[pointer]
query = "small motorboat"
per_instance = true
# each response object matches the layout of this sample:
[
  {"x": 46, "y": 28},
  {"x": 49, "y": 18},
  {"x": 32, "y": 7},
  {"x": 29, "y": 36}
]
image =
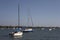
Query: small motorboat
[{"x": 50, "y": 29}]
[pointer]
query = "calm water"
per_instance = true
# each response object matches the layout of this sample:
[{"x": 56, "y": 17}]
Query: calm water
[{"x": 38, "y": 34}]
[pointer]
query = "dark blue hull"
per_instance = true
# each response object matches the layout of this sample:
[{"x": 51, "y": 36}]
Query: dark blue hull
[{"x": 27, "y": 31}]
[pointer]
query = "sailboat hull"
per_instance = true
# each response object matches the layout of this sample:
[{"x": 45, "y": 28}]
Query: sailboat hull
[
  {"x": 16, "y": 33},
  {"x": 28, "y": 30}
]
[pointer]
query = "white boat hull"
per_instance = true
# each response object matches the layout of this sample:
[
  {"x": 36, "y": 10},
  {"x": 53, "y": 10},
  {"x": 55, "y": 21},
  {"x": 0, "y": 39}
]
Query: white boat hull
[
  {"x": 16, "y": 34},
  {"x": 27, "y": 30}
]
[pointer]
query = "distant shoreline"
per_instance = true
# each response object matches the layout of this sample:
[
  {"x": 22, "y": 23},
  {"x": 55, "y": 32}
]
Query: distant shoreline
[{"x": 24, "y": 27}]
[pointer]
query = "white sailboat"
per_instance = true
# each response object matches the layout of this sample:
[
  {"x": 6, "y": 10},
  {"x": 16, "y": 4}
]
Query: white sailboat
[
  {"x": 29, "y": 18},
  {"x": 17, "y": 33},
  {"x": 28, "y": 30}
]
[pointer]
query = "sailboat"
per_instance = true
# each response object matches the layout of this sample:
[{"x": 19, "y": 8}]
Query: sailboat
[
  {"x": 17, "y": 33},
  {"x": 29, "y": 29}
]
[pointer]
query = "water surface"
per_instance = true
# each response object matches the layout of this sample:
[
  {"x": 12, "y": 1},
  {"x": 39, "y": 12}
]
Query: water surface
[{"x": 37, "y": 34}]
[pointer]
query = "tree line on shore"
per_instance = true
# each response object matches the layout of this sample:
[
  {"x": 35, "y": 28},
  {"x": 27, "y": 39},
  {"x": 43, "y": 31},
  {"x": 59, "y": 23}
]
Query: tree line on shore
[{"x": 25, "y": 27}]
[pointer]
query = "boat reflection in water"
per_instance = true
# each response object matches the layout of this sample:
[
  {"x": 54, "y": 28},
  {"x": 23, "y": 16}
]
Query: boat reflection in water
[{"x": 18, "y": 36}]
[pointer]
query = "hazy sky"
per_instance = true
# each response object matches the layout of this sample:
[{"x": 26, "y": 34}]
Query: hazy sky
[{"x": 43, "y": 12}]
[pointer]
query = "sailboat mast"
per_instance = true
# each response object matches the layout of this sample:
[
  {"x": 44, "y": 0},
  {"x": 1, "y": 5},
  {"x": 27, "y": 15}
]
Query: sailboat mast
[
  {"x": 18, "y": 14},
  {"x": 30, "y": 17}
]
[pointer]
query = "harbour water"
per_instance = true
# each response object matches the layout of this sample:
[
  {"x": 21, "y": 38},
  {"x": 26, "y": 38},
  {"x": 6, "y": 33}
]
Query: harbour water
[{"x": 37, "y": 34}]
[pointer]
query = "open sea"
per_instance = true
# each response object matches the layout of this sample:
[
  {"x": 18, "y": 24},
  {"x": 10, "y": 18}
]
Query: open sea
[{"x": 37, "y": 34}]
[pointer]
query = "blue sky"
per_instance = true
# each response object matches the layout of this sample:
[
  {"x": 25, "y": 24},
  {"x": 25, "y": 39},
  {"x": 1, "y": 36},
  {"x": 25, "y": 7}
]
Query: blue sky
[{"x": 43, "y": 12}]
